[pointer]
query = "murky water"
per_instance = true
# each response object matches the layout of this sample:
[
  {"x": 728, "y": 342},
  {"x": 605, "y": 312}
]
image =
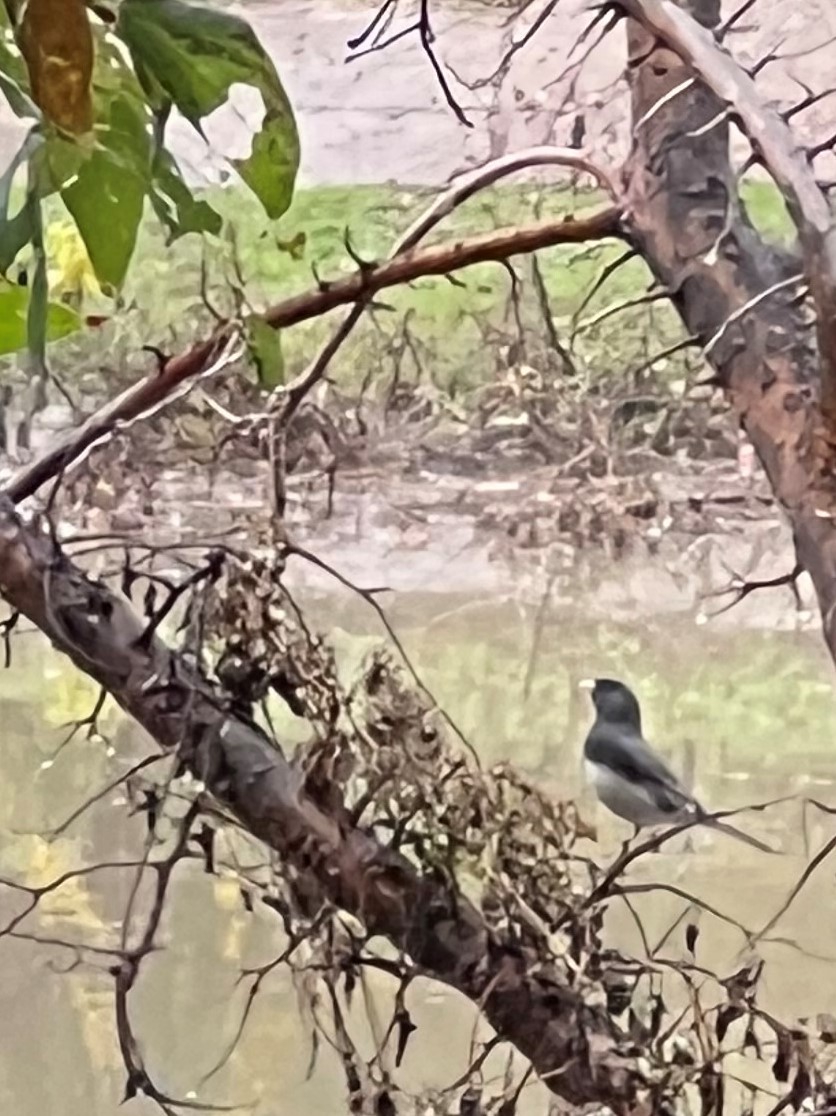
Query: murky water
[{"x": 752, "y": 711}]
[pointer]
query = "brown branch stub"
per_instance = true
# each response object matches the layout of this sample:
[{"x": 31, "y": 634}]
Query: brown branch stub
[{"x": 773, "y": 142}]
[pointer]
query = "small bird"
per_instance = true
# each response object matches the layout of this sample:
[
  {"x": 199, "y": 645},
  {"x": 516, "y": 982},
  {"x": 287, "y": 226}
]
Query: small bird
[{"x": 628, "y": 777}]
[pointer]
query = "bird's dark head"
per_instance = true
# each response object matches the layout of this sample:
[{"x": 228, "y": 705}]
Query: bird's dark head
[{"x": 615, "y": 702}]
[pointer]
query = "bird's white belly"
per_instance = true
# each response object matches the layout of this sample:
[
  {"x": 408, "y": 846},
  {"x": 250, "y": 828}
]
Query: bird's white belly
[{"x": 628, "y": 800}]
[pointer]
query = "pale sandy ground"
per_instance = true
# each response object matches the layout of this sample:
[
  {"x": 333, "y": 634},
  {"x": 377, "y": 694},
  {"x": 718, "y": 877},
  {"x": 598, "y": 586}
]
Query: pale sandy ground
[{"x": 383, "y": 117}]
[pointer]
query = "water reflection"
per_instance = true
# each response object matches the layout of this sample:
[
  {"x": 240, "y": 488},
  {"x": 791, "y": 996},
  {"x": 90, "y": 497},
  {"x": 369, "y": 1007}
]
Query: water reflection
[{"x": 754, "y": 711}]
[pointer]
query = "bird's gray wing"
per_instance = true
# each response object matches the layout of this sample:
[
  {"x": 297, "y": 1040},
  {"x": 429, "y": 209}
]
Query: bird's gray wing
[{"x": 629, "y": 755}]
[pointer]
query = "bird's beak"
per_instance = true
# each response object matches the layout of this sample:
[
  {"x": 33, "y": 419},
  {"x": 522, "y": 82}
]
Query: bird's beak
[{"x": 586, "y": 684}]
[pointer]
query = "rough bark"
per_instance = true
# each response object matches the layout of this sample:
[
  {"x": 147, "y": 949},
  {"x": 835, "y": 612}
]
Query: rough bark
[
  {"x": 687, "y": 220},
  {"x": 575, "y": 1045},
  {"x": 772, "y": 139}
]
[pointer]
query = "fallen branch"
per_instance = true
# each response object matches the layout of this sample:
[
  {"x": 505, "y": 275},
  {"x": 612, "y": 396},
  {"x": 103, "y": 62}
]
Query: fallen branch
[{"x": 574, "y": 1045}]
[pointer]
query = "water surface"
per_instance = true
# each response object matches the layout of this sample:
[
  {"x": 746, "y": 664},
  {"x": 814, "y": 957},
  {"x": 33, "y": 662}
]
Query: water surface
[{"x": 750, "y": 711}]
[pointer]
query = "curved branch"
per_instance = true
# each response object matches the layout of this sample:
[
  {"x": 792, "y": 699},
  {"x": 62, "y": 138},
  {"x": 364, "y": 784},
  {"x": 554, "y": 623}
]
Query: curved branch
[{"x": 405, "y": 267}]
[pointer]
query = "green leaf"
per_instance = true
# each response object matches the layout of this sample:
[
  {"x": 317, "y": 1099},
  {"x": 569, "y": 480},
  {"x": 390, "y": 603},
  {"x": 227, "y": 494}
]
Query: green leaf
[
  {"x": 192, "y": 53},
  {"x": 175, "y": 204},
  {"x": 192, "y": 56},
  {"x": 270, "y": 169},
  {"x": 265, "y": 345},
  {"x": 104, "y": 182},
  {"x": 14, "y": 311},
  {"x": 38, "y": 309},
  {"x": 17, "y": 231},
  {"x": 107, "y": 194},
  {"x": 14, "y": 80}
]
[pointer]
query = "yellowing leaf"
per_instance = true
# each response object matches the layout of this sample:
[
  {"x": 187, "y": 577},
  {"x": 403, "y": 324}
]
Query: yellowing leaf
[
  {"x": 69, "y": 269},
  {"x": 57, "y": 43}
]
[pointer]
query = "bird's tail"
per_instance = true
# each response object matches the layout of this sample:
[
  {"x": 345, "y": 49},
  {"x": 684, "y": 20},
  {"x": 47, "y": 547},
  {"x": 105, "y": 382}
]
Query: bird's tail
[{"x": 730, "y": 831}]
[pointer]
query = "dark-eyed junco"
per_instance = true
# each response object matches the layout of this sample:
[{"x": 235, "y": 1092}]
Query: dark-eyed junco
[{"x": 628, "y": 777}]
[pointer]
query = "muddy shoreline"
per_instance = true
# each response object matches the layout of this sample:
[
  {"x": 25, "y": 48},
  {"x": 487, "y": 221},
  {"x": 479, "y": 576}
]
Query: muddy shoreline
[{"x": 662, "y": 540}]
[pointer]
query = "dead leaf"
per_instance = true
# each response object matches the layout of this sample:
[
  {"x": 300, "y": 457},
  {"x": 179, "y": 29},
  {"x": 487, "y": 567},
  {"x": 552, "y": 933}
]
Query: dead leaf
[{"x": 56, "y": 41}]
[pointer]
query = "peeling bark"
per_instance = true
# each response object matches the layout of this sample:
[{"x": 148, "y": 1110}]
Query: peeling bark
[
  {"x": 688, "y": 222},
  {"x": 575, "y": 1045},
  {"x": 773, "y": 141}
]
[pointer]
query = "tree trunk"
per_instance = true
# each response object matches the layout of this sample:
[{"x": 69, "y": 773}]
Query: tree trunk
[{"x": 690, "y": 225}]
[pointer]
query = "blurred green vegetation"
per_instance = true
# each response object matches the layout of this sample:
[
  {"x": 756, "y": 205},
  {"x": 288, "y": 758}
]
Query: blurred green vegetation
[{"x": 448, "y": 334}]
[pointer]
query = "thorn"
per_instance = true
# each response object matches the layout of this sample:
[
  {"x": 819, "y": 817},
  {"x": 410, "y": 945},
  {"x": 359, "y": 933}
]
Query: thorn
[
  {"x": 820, "y": 148},
  {"x": 735, "y": 16},
  {"x": 364, "y": 265},
  {"x": 578, "y": 131},
  {"x": 762, "y": 63},
  {"x": 323, "y": 286},
  {"x": 162, "y": 358}
]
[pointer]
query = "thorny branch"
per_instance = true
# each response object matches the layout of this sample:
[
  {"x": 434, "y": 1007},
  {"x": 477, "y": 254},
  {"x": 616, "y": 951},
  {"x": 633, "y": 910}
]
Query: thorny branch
[
  {"x": 406, "y": 264},
  {"x": 126, "y": 972}
]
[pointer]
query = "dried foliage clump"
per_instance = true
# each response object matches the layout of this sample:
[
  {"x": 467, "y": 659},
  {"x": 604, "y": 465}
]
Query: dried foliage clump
[
  {"x": 384, "y": 760},
  {"x": 263, "y": 643}
]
